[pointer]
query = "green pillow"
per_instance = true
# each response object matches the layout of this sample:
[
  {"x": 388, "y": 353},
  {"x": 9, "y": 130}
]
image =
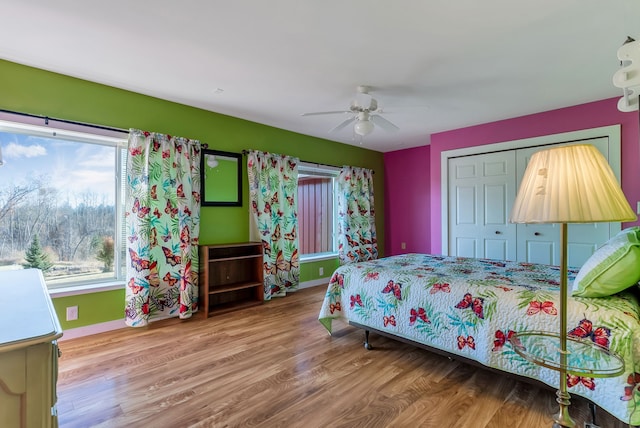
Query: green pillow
[{"x": 612, "y": 268}]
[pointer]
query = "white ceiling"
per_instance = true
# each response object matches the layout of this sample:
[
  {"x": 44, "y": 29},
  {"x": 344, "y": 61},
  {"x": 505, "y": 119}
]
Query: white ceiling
[{"x": 433, "y": 65}]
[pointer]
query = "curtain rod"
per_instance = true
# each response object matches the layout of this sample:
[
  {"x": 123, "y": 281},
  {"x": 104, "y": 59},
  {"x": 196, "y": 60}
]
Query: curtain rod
[
  {"x": 244, "y": 152},
  {"x": 46, "y": 120}
]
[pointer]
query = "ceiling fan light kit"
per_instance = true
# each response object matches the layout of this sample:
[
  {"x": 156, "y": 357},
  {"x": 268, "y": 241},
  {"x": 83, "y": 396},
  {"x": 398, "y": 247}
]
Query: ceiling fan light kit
[
  {"x": 363, "y": 127},
  {"x": 365, "y": 114}
]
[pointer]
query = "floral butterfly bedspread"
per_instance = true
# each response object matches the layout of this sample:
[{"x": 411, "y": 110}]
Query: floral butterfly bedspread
[{"x": 471, "y": 307}]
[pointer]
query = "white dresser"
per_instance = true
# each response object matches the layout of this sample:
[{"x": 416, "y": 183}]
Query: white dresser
[{"x": 29, "y": 328}]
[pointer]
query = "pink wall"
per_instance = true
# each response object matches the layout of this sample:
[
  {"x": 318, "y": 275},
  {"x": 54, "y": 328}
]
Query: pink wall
[
  {"x": 406, "y": 172},
  {"x": 584, "y": 116}
]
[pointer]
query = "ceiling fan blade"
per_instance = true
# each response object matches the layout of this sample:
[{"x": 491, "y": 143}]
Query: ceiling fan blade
[
  {"x": 383, "y": 123},
  {"x": 317, "y": 113},
  {"x": 343, "y": 124}
]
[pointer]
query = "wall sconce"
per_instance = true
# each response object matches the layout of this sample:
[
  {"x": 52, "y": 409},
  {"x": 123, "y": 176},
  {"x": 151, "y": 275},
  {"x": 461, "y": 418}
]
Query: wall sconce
[{"x": 628, "y": 77}]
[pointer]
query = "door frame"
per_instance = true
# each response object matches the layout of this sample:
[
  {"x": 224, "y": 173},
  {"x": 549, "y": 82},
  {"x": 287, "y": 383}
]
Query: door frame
[{"x": 612, "y": 132}]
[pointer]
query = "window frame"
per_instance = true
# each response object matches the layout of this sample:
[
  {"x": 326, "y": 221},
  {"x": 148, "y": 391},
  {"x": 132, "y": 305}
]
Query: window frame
[
  {"x": 31, "y": 125},
  {"x": 323, "y": 171}
]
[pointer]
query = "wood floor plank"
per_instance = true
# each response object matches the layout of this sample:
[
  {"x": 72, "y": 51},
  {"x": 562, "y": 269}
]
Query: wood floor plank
[{"x": 274, "y": 365}]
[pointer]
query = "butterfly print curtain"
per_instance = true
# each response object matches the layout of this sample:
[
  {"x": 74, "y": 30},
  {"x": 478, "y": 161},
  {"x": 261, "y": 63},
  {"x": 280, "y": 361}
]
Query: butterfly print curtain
[
  {"x": 273, "y": 193},
  {"x": 357, "y": 240},
  {"x": 163, "y": 223}
]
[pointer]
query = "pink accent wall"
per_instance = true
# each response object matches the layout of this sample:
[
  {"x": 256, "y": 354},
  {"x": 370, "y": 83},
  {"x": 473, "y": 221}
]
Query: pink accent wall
[
  {"x": 406, "y": 174},
  {"x": 584, "y": 116}
]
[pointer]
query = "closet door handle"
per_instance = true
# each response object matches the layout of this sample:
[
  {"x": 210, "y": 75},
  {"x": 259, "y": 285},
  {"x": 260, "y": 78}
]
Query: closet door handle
[
  {"x": 537, "y": 233},
  {"x": 498, "y": 232}
]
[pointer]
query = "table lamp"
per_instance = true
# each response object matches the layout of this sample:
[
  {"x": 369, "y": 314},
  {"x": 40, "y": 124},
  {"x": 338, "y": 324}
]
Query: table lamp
[{"x": 568, "y": 184}]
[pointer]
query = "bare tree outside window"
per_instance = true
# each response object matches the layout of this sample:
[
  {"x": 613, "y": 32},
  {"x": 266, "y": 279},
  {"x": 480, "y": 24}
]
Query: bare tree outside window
[{"x": 58, "y": 207}]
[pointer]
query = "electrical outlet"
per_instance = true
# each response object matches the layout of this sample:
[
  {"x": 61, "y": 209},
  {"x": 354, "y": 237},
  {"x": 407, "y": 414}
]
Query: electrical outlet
[
  {"x": 403, "y": 245},
  {"x": 321, "y": 271},
  {"x": 72, "y": 313},
  {"x": 638, "y": 208}
]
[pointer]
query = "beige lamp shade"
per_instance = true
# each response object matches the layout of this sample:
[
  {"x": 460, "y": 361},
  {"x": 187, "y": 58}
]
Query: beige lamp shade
[{"x": 570, "y": 184}]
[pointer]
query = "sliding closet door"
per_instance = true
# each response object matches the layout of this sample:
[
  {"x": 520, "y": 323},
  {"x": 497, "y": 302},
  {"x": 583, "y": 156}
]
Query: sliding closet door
[
  {"x": 471, "y": 208},
  {"x": 540, "y": 243},
  {"x": 482, "y": 189}
]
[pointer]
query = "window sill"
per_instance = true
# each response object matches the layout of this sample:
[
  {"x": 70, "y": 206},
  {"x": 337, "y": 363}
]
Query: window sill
[
  {"x": 118, "y": 285},
  {"x": 85, "y": 289},
  {"x": 318, "y": 257}
]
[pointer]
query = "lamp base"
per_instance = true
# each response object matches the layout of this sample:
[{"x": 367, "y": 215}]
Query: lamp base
[{"x": 563, "y": 419}]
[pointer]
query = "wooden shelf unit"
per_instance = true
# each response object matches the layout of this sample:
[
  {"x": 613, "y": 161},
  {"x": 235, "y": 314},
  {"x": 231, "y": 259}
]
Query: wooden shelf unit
[{"x": 231, "y": 277}]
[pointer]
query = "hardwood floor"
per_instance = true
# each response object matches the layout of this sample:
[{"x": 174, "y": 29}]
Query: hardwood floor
[{"x": 274, "y": 365}]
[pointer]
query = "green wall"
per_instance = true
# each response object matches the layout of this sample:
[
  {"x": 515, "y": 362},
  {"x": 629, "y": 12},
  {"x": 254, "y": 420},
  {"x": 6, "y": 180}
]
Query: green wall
[
  {"x": 93, "y": 308},
  {"x": 309, "y": 271},
  {"x": 30, "y": 90}
]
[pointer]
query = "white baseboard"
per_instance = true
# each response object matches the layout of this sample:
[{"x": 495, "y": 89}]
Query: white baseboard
[
  {"x": 313, "y": 283},
  {"x": 73, "y": 333},
  {"x": 117, "y": 324}
]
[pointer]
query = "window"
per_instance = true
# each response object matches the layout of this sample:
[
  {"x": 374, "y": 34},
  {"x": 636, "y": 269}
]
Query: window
[
  {"x": 61, "y": 210},
  {"x": 316, "y": 210}
]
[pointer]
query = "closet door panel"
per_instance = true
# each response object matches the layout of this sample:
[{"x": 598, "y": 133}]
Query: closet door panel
[
  {"x": 466, "y": 247},
  {"x": 482, "y": 190},
  {"x": 544, "y": 248},
  {"x": 584, "y": 240},
  {"x": 496, "y": 249}
]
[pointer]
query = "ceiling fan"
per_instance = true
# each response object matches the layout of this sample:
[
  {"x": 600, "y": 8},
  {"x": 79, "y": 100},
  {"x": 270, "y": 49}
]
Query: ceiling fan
[{"x": 364, "y": 112}]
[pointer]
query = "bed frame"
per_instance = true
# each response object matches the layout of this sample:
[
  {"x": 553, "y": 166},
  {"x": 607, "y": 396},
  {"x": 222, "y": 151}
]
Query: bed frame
[
  {"x": 465, "y": 309},
  {"x": 450, "y": 356}
]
